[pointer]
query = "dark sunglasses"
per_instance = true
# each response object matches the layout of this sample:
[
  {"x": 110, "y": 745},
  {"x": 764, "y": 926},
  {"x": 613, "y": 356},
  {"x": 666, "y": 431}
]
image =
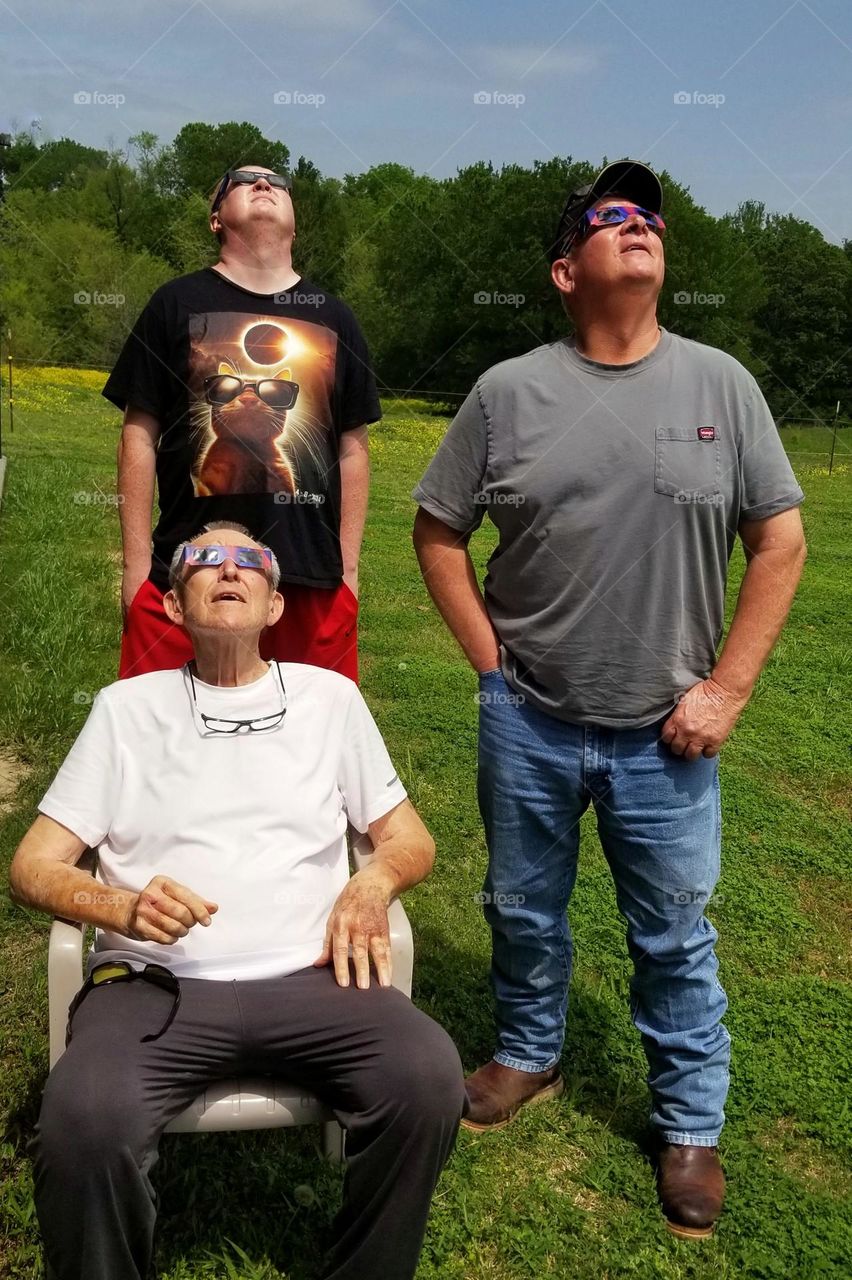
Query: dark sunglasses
[
  {"x": 104, "y": 975},
  {"x": 247, "y": 177},
  {"x": 222, "y": 388}
]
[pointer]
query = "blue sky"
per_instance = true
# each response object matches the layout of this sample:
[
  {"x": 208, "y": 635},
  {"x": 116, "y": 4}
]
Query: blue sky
[{"x": 359, "y": 82}]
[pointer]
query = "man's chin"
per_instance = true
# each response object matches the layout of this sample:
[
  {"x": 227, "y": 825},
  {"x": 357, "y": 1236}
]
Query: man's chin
[{"x": 225, "y": 626}]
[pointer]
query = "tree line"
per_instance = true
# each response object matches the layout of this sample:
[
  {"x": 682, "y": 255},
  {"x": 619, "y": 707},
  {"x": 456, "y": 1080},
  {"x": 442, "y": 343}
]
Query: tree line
[{"x": 447, "y": 276}]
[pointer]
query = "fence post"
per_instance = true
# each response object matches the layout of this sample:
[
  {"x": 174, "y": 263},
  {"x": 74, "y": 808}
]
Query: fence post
[{"x": 834, "y": 438}]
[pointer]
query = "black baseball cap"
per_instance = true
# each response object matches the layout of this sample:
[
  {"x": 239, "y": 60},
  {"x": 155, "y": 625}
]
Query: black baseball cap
[{"x": 629, "y": 178}]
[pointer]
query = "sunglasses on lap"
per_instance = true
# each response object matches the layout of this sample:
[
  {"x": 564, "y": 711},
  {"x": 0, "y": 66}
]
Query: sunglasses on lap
[{"x": 112, "y": 971}]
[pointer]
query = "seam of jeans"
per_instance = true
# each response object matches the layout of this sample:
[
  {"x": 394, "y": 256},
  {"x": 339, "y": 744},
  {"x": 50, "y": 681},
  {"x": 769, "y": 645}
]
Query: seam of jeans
[{"x": 235, "y": 990}]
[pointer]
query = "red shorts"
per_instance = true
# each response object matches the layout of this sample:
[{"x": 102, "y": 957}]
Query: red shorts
[{"x": 318, "y": 626}]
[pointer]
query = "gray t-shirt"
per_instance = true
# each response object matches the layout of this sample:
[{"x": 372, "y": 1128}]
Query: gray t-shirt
[{"x": 617, "y": 491}]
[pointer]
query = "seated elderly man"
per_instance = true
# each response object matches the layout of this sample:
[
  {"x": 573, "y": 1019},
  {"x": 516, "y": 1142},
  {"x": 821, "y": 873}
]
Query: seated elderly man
[{"x": 218, "y": 797}]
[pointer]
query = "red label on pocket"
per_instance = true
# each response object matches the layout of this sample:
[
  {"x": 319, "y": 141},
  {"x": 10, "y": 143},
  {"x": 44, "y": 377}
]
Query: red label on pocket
[{"x": 706, "y": 433}]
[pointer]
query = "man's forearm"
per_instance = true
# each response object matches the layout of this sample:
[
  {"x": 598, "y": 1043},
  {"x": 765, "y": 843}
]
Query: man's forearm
[
  {"x": 137, "y": 463},
  {"x": 398, "y": 864},
  {"x": 60, "y": 889},
  {"x": 451, "y": 582},
  {"x": 766, "y": 594},
  {"x": 354, "y": 494}
]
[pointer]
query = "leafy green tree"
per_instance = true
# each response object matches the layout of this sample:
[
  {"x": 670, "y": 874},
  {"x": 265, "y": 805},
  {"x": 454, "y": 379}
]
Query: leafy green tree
[
  {"x": 802, "y": 326},
  {"x": 201, "y": 153}
]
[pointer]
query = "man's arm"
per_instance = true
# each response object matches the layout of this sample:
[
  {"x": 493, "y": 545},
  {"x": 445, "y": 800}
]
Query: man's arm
[
  {"x": 137, "y": 464},
  {"x": 43, "y": 875},
  {"x": 354, "y": 492},
  {"x": 404, "y": 855},
  {"x": 451, "y": 582},
  {"x": 775, "y": 553}
]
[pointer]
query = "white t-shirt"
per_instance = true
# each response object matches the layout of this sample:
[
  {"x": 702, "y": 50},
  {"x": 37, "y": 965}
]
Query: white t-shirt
[{"x": 255, "y": 822}]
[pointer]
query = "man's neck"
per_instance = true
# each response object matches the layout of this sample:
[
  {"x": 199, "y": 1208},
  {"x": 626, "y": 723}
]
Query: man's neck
[
  {"x": 228, "y": 661},
  {"x": 619, "y": 336},
  {"x": 260, "y": 267}
]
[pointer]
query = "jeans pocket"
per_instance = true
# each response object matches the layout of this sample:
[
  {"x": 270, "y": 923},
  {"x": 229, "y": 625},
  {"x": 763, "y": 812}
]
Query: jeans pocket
[{"x": 687, "y": 467}]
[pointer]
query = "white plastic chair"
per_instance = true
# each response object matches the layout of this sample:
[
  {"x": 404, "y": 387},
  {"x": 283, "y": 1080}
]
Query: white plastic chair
[{"x": 256, "y": 1102}]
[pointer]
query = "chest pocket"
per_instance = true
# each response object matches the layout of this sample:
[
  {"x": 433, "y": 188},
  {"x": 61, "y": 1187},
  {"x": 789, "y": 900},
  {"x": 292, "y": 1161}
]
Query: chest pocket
[{"x": 686, "y": 468}]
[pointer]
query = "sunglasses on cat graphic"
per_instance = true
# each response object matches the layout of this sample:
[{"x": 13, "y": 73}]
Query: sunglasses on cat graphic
[
  {"x": 247, "y": 177},
  {"x": 277, "y": 393}
]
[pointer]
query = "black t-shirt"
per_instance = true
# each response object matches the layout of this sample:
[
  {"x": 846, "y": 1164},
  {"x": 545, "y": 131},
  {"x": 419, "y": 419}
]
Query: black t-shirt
[{"x": 252, "y": 392}]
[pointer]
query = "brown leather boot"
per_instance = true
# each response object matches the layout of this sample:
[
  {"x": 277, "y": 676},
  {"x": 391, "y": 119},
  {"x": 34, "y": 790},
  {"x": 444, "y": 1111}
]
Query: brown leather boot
[
  {"x": 496, "y": 1094},
  {"x": 691, "y": 1187}
]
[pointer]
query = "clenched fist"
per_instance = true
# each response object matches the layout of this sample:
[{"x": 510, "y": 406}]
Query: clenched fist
[{"x": 165, "y": 911}]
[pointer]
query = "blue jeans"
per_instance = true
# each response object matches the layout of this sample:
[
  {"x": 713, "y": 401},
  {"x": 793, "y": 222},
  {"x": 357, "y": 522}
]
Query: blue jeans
[{"x": 659, "y": 823}]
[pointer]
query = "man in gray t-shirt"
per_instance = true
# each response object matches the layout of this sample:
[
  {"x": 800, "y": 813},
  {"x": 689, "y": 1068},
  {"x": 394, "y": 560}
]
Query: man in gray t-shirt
[{"x": 618, "y": 468}]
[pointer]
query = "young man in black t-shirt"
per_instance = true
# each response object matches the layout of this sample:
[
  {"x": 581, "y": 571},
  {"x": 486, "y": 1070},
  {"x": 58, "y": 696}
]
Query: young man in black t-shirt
[{"x": 247, "y": 391}]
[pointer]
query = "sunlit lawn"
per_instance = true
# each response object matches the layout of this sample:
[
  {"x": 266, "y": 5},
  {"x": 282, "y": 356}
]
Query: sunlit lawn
[{"x": 565, "y": 1191}]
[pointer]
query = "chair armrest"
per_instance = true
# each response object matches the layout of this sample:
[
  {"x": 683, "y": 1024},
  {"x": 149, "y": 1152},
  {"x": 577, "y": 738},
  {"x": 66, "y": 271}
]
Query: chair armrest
[
  {"x": 401, "y": 939},
  {"x": 64, "y": 979}
]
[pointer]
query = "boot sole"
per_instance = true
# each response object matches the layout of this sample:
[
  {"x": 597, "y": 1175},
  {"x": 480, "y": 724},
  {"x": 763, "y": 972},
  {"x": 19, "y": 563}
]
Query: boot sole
[
  {"x": 552, "y": 1090},
  {"x": 689, "y": 1233}
]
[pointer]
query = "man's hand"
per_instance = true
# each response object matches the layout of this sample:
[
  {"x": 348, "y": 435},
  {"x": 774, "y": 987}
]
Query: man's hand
[
  {"x": 702, "y": 720},
  {"x": 165, "y": 911},
  {"x": 359, "y": 918},
  {"x": 131, "y": 581}
]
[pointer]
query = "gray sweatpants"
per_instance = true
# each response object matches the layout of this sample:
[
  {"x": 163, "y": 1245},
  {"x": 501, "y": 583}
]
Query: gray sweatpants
[{"x": 391, "y": 1075}]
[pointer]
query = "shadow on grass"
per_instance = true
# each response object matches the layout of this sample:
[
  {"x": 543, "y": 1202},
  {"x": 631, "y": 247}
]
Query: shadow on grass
[{"x": 602, "y": 1079}]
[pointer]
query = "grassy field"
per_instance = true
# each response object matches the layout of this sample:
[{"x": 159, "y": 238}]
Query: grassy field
[{"x": 566, "y": 1191}]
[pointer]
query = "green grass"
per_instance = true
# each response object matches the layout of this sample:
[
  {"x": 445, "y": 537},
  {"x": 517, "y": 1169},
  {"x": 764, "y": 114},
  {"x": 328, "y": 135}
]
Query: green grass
[{"x": 566, "y": 1191}]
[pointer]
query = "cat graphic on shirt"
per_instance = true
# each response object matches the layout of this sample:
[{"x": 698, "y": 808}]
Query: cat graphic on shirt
[{"x": 248, "y": 453}]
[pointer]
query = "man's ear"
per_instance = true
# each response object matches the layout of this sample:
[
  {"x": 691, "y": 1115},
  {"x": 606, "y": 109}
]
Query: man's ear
[
  {"x": 172, "y": 607},
  {"x": 215, "y": 224},
  {"x": 276, "y": 608},
  {"x": 562, "y": 275}
]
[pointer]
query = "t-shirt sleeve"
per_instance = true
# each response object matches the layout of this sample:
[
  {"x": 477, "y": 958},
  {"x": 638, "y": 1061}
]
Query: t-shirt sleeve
[
  {"x": 451, "y": 488},
  {"x": 360, "y": 398},
  {"x": 142, "y": 375},
  {"x": 769, "y": 485},
  {"x": 84, "y": 794},
  {"x": 367, "y": 780}
]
